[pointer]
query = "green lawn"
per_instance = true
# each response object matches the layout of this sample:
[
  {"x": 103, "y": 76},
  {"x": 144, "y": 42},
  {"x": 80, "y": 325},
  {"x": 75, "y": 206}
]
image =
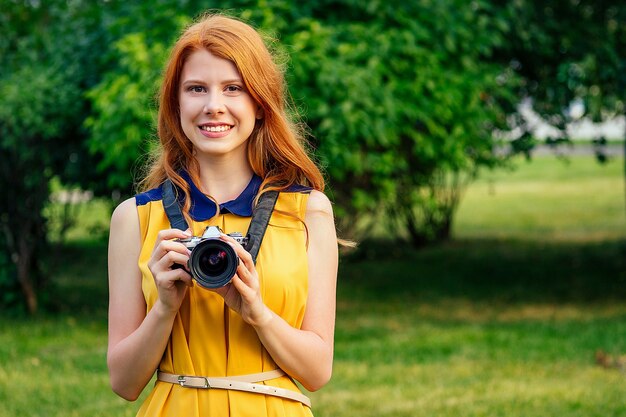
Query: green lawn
[
  {"x": 503, "y": 321},
  {"x": 547, "y": 199}
]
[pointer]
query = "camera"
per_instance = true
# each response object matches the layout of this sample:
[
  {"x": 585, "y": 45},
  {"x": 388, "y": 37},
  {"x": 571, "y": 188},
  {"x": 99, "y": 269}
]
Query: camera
[{"x": 212, "y": 262}]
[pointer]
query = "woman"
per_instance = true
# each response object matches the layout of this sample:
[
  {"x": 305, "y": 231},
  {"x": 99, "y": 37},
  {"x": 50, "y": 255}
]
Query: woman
[{"x": 225, "y": 138}]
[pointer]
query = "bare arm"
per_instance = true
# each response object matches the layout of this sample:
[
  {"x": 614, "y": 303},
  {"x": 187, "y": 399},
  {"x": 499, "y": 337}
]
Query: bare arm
[
  {"x": 136, "y": 340},
  {"x": 307, "y": 353}
]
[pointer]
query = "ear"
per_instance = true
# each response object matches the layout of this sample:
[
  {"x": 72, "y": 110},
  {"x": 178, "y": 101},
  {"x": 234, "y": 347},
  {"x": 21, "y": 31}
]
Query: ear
[{"x": 260, "y": 113}]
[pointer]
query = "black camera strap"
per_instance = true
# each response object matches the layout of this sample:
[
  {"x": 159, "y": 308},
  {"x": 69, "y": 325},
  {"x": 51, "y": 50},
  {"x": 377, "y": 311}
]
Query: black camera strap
[
  {"x": 260, "y": 219},
  {"x": 172, "y": 207},
  {"x": 260, "y": 216}
]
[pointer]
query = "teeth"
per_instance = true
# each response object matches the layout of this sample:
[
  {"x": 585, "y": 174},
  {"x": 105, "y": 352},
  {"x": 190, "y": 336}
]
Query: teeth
[{"x": 220, "y": 128}]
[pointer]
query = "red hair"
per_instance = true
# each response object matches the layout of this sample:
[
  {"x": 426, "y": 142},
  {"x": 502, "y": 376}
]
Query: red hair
[{"x": 276, "y": 147}]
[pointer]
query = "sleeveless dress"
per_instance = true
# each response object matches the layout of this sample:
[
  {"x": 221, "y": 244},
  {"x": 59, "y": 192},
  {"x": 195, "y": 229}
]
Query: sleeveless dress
[{"x": 208, "y": 339}]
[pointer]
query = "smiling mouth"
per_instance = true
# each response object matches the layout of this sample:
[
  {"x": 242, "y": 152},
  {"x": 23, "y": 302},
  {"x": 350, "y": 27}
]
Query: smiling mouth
[{"x": 220, "y": 128}]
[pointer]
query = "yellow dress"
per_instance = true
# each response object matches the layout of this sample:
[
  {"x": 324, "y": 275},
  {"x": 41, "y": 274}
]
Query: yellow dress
[{"x": 208, "y": 339}]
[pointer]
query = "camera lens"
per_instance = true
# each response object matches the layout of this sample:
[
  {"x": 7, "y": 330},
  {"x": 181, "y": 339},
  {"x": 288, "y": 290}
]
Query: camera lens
[{"x": 213, "y": 263}]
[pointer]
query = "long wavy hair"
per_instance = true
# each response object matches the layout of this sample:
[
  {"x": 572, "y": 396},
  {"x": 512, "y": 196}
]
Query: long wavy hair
[{"x": 276, "y": 148}]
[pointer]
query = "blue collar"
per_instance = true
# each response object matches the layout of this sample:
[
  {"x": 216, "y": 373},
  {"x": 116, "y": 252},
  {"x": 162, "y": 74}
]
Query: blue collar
[{"x": 203, "y": 208}]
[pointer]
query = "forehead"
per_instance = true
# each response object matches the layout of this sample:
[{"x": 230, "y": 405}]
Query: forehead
[{"x": 203, "y": 65}]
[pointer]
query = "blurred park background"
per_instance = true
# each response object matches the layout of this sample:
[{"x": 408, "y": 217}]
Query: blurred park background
[{"x": 474, "y": 149}]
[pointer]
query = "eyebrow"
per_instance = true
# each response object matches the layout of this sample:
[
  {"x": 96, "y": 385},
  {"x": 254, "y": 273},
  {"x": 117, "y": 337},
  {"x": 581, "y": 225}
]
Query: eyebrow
[
  {"x": 234, "y": 80},
  {"x": 196, "y": 81}
]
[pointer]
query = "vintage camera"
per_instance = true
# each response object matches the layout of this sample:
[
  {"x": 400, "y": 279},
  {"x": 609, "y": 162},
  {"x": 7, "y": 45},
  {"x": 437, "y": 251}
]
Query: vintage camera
[{"x": 212, "y": 262}]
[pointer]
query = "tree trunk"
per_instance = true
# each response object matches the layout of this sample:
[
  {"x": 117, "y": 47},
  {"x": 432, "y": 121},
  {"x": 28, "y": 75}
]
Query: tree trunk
[
  {"x": 24, "y": 262},
  {"x": 416, "y": 232}
]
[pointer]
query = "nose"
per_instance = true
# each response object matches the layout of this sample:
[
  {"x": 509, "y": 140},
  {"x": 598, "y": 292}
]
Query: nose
[{"x": 213, "y": 104}]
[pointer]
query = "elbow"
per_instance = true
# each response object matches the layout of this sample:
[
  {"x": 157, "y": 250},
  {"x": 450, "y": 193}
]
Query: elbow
[
  {"x": 123, "y": 384},
  {"x": 125, "y": 392},
  {"x": 319, "y": 380},
  {"x": 321, "y": 373}
]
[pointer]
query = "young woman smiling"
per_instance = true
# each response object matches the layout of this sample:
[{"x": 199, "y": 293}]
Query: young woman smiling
[{"x": 225, "y": 139}]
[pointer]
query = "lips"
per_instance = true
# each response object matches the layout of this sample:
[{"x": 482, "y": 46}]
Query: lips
[{"x": 215, "y": 128}]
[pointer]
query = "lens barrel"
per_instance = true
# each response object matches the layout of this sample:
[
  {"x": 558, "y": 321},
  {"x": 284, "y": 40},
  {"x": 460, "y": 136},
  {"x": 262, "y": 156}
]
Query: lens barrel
[{"x": 213, "y": 263}]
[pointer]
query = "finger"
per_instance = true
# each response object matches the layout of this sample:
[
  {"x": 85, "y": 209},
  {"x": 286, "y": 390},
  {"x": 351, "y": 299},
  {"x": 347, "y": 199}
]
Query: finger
[
  {"x": 167, "y": 261},
  {"x": 188, "y": 280},
  {"x": 168, "y": 249},
  {"x": 169, "y": 278},
  {"x": 174, "y": 246},
  {"x": 244, "y": 290},
  {"x": 246, "y": 258},
  {"x": 166, "y": 236},
  {"x": 172, "y": 258},
  {"x": 184, "y": 277},
  {"x": 249, "y": 278},
  {"x": 243, "y": 254},
  {"x": 229, "y": 238},
  {"x": 169, "y": 234}
]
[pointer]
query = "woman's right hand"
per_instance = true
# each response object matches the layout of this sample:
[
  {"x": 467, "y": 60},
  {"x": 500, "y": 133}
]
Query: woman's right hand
[{"x": 171, "y": 283}]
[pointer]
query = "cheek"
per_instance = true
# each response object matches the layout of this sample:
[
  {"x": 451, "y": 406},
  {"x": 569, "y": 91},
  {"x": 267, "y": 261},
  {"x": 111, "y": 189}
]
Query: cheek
[
  {"x": 249, "y": 111},
  {"x": 186, "y": 110},
  {"x": 190, "y": 106},
  {"x": 186, "y": 118}
]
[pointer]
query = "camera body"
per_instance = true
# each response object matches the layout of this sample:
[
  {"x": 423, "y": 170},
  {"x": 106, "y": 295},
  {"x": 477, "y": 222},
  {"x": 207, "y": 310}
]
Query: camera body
[{"x": 212, "y": 262}]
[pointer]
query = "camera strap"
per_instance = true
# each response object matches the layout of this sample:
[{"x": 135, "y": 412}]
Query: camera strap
[
  {"x": 172, "y": 206},
  {"x": 260, "y": 216},
  {"x": 260, "y": 219}
]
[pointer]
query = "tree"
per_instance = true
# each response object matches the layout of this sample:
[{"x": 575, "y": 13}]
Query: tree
[
  {"x": 568, "y": 51},
  {"x": 402, "y": 100},
  {"x": 399, "y": 97},
  {"x": 46, "y": 65},
  {"x": 124, "y": 111},
  {"x": 122, "y": 121}
]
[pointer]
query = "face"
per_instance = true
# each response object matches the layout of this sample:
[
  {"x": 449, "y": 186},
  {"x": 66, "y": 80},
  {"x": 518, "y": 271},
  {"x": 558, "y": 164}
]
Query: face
[{"x": 217, "y": 113}]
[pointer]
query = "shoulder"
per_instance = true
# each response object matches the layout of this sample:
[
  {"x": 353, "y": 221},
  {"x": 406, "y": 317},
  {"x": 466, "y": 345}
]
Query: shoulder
[
  {"x": 125, "y": 214},
  {"x": 320, "y": 225},
  {"x": 318, "y": 203},
  {"x": 124, "y": 230}
]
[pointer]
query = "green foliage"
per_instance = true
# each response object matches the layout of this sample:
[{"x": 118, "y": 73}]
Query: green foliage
[
  {"x": 124, "y": 116},
  {"x": 36, "y": 112},
  {"x": 568, "y": 50},
  {"x": 41, "y": 83},
  {"x": 402, "y": 103},
  {"x": 401, "y": 97},
  {"x": 397, "y": 96}
]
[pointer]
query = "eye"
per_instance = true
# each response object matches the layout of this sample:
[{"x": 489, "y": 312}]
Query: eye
[
  {"x": 196, "y": 89},
  {"x": 233, "y": 88}
]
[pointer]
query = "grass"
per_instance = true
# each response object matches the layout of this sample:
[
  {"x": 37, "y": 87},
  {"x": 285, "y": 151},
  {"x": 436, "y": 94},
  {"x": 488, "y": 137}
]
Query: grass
[
  {"x": 474, "y": 331},
  {"x": 56, "y": 367},
  {"x": 511, "y": 368},
  {"x": 503, "y": 321},
  {"x": 547, "y": 199}
]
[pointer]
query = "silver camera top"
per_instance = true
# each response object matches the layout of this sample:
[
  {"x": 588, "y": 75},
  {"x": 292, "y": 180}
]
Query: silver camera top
[
  {"x": 214, "y": 232},
  {"x": 211, "y": 232}
]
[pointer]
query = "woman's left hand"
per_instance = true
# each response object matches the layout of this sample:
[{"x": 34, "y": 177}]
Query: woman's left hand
[{"x": 243, "y": 293}]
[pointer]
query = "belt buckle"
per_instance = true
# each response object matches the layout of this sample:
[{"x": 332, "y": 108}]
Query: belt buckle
[{"x": 183, "y": 382}]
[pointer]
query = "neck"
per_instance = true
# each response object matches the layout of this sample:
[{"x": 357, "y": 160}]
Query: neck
[{"x": 224, "y": 179}]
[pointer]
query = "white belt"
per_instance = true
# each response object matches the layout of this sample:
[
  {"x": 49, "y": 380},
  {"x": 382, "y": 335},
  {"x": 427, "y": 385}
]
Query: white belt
[{"x": 238, "y": 383}]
